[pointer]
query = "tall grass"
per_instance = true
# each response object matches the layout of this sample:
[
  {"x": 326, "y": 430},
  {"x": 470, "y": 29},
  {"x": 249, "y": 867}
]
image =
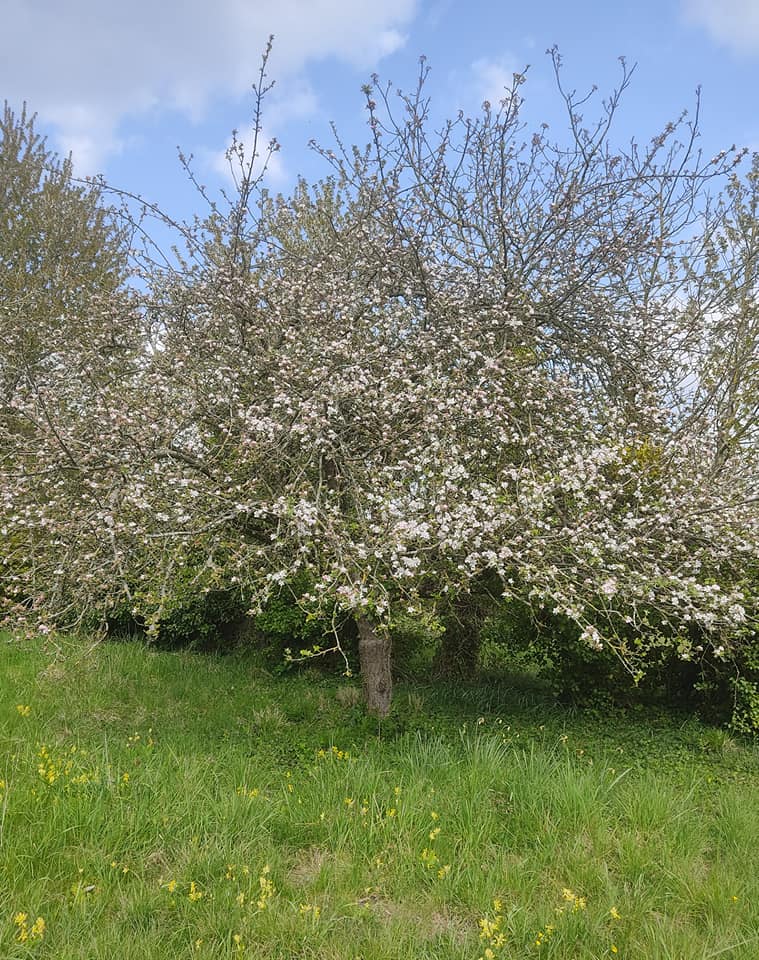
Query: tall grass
[{"x": 169, "y": 805}]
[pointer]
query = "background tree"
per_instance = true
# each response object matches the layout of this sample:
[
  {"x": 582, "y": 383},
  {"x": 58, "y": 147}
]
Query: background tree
[
  {"x": 63, "y": 265},
  {"x": 59, "y": 244}
]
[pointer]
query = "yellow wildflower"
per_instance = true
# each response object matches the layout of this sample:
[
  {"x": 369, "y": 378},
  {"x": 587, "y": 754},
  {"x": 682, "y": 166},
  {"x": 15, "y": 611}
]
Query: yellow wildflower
[
  {"x": 266, "y": 888},
  {"x": 488, "y": 928}
]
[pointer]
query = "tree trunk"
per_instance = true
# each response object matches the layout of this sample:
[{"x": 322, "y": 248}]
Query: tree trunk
[{"x": 374, "y": 653}]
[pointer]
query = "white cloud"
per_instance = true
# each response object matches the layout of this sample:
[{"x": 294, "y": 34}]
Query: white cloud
[
  {"x": 493, "y": 79},
  {"x": 734, "y": 23},
  {"x": 86, "y": 65}
]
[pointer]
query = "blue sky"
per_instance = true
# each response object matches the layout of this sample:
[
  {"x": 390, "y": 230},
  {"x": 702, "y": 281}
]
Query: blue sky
[{"x": 121, "y": 85}]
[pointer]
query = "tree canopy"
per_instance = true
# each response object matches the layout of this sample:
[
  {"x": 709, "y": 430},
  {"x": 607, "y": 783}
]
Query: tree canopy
[{"x": 467, "y": 352}]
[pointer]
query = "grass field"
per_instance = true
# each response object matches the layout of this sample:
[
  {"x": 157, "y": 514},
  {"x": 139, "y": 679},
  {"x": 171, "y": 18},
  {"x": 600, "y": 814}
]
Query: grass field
[{"x": 172, "y": 805}]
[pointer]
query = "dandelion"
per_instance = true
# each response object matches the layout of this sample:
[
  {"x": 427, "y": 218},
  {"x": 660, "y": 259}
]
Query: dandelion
[
  {"x": 194, "y": 893},
  {"x": 614, "y": 914},
  {"x": 24, "y": 709}
]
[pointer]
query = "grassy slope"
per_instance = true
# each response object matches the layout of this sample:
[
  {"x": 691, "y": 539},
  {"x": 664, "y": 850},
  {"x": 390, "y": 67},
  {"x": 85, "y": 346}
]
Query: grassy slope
[{"x": 180, "y": 808}]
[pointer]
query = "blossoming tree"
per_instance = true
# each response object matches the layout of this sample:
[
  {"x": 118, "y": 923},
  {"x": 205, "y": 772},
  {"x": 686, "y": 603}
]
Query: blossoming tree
[{"x": 466, "y": 353}]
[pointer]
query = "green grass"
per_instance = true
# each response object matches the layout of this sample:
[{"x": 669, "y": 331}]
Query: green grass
[{"x": 172, "y": 805}]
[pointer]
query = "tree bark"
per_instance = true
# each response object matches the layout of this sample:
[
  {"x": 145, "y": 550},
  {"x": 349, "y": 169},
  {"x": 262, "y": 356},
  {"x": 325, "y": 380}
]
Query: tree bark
[{"x": 375, "y": 659}]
